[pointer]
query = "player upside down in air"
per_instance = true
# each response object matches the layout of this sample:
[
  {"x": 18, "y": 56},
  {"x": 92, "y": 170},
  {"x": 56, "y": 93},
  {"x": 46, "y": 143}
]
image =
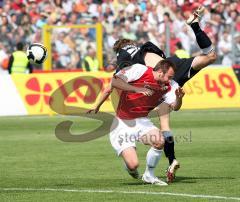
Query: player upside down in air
[{"x": 129, "y": 53}]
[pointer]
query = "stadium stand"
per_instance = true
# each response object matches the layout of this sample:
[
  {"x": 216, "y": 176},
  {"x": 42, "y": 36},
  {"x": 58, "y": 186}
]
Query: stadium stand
[{"x": 138, "y": 20}]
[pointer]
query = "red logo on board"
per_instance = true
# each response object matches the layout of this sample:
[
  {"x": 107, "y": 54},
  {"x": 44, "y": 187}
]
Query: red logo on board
[{"x": 38, "y": 92}]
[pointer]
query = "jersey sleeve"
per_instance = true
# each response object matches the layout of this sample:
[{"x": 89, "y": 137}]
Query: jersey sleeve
[
  {"x": 170, "y": 97},
  {"x": 132, "y": 73}
]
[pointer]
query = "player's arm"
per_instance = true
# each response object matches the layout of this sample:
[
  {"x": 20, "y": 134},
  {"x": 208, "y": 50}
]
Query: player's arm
[
  {"x": 122, "y": 78},
  {"x": 174, "y": 97},
  {"x": 121, "y": 84},
  {"x": 179, "y": 96},
  {"x": 107, "y": 91}
]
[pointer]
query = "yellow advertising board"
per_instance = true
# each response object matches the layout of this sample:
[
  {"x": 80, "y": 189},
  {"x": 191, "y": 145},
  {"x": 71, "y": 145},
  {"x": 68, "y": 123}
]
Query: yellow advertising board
[
  {"x": 215, "y": 87},
  {"x": 210, "y": 88},
  {"x": 84, "y": 89}
]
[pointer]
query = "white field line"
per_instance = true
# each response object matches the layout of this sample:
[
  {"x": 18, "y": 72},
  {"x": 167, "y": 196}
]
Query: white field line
[{"x": 119, "y": 192}]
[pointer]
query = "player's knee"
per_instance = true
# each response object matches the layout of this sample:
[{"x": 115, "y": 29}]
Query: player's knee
[
  {"x": 212, "y": 56},
  {"x": 133, "y": 164},
  {"x": 159, "y": 142}
]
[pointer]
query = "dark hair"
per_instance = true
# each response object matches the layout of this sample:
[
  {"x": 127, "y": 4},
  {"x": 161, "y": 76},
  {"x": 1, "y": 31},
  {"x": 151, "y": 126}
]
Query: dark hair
[
  {"x": 179, "y": 45},
  {"x": 19, "y": 46},
  {"x": 167, "y": 14},
  {"x": 121, "y": 43},
  {"x": 164, "y": 65}
]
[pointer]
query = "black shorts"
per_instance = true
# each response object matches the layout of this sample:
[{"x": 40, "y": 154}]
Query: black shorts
[{"x": 184, "y": 69}]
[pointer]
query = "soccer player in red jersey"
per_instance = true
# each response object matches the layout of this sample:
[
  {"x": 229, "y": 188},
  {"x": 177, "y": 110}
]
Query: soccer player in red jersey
[
  {"x": 132, "y": 124},
  {"x": 149, "y": 54}
]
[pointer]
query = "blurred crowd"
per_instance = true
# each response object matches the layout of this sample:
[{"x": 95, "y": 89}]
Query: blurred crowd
[{"x": 157, "y": 21}]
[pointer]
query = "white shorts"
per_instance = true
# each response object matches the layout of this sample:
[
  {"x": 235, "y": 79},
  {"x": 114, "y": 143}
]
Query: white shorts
[{"x": 125, "y": 133}]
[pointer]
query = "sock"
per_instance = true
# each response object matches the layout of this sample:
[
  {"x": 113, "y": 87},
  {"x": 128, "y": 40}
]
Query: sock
[
  {"x": 153, "y": 157},
  {"x": 169, "y": 146},
  {"x": 202, "y": 39}
]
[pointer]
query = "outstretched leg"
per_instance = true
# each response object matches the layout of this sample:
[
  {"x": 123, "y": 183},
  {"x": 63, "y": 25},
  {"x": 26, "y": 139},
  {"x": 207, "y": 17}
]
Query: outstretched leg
[{"x": 209, "y": 56}]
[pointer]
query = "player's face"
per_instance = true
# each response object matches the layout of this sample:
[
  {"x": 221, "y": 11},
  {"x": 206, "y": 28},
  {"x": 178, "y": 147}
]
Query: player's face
[{"x": 165, "y": 78}]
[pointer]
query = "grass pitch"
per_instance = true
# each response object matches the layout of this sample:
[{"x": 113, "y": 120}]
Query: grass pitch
[{"x": 36, "y": 166}]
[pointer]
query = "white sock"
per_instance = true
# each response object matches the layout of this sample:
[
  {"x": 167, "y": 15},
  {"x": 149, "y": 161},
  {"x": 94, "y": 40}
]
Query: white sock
[
  {"x": 153, "y": 157},
  {"x": 207, "y": 50}
]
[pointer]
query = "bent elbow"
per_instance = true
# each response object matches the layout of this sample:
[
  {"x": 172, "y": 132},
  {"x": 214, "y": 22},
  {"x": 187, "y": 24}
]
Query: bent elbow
[{"x": 176, "y": 109}]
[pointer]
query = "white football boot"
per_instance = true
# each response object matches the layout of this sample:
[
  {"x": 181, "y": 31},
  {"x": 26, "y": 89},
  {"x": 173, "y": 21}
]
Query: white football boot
[
  {"x": 153, "y": 180},
  {"x": 170, "y": 173},
  {"x": 196, "y": 16}
]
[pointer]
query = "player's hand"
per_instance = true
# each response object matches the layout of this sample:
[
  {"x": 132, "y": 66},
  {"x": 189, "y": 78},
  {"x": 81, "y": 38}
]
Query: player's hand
[
  {"x": 144, "y": 91},
  {"x": 95, "y": 111},
  {"x": 179, "y": 92}
]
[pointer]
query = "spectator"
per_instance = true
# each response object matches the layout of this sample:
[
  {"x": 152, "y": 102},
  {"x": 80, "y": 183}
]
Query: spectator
[
  {"x": 18, "y": 61},
  {"x": 237, "y": 24},
  {"x": 63, "y": 50},
  {"x": 67, "y": 6},
  {"x": 153, "y": 17},
  {"x": 173, "y": 42},
  {"x": 180, "y": 52},
  {"x": 142, "y": 32},
  {"x": 132, "y": 19},
  {"x": 3, "y": 57},
  {"x": 185, "y": 38},
  {"x": 73, "y": 20},
  {"x": 179, "y": 23},
  {"x": 166, "y": 23},
  {"x": 112, "y": 38},
  {"x": 225, "y": 47},
  {"x": 17, "y": 5},
  {"x": 131, "y": 6},
  {"x": 92, "y": 8},
  {"x": 14, "y": 21},
  {"x": 90, "y": 61},
  {"x": 5, "y": 22},
  {"x": 5, "y": 37},
  {"x": 33, "y": 11},
  {"x": 91, "y": 31},
  {"x": 80, "y": 7},
  {"x": 128, "y": 33},
  {"x": 236, "y": 48},
  {"x": 42, "y": 20}
]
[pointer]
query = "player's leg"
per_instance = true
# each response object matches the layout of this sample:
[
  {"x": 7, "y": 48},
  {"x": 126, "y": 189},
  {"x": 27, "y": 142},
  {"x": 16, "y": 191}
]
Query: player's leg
[
  {"x": 123, "y": 140},
  {"x": 130, "y": 158},
  {"x": 154, "y": 138},
  {"x": 204, "y": 42},
  {"x": 187, "y": 68},
  {"x": 164, "y": 116}
]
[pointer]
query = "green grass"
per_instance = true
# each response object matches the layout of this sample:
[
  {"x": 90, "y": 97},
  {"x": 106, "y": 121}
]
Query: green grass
[{"x": 32, "y": 157}]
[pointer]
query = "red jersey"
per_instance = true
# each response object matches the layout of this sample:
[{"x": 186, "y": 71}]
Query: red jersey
[{"x": 134, "y": 105}]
